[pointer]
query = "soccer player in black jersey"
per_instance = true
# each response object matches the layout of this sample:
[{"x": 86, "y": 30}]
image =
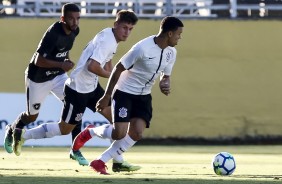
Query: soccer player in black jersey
[{"x": 47, "y": 69}]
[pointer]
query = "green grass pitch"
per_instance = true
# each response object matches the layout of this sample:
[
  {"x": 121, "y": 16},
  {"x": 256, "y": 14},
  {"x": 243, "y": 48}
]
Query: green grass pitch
[{"x": 160, "y": 165}]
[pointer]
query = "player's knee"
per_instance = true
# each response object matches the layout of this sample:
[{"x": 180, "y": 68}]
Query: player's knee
[
  {"x": 119, "y": 131},
  {"x": 66, "y": 128},
  {"x": 28, "y": 118},
  {"x": 65, "y": 132},
  {"x": 136, "y": 136},
  {"x": 32, "y": 118},
  {"x": 118, "y": 135}
]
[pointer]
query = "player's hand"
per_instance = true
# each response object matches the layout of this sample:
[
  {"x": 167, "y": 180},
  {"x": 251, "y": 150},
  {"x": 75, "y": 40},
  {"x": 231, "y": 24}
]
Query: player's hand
[
  {"x": 165, "y": 86},
  {"x": 103, "y": 103},
  {"x": 67, "y": 65}
]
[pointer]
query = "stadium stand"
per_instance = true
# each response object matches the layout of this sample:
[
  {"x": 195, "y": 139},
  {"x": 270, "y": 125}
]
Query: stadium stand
[
  {"x": 148, "y": 8},
  {"x": 108, "y": 8}
]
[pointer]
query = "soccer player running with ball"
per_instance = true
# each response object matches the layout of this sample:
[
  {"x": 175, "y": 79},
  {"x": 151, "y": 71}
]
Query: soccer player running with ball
[
  {"x": 82, "y": 89},
  {"x": 130, "y": 86},
  {"x": 47, "y": 69}
]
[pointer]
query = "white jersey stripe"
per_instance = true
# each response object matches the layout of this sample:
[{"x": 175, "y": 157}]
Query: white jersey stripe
[{"x": 69, "y": 113}]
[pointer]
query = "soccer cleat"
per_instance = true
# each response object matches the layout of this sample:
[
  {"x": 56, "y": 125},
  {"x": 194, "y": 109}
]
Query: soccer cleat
[
  {"x": 82, "y": 138},
  {"x": 99, "y": 166},
  {"x": 76, "y": 155},
  {"x": 18, "y": 140},
  {"x": 8, "y": 140},
  {"x": 125, "y": 166}
]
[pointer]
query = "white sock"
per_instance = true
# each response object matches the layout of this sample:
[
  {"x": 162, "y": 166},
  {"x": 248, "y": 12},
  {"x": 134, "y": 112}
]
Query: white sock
[
  {"x": 103, "y": 131},
  {"x": 118, "y": 147},
  {"x": 46, "y": 130},
  {"x": 117, "y": 158}
]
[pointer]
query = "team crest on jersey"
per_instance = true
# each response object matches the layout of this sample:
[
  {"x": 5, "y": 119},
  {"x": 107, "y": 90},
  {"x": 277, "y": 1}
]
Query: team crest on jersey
[
  {"x": 122, "y": 112},
  {"x": 78, "y": 117},
  {"x": 168, "y": 56},
  {"x": 36, "y": 106}
]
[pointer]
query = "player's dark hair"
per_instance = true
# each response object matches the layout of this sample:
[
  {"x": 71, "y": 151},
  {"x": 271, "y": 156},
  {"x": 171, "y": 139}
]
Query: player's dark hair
[
  {"x": 170, "y": 23},
  {"x": 69, "y": 7},
  {"x": 126, "y": 16}
]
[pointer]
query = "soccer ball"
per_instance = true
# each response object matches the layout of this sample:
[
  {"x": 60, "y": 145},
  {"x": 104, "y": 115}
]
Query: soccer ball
[{"x": 223, "y": 164}]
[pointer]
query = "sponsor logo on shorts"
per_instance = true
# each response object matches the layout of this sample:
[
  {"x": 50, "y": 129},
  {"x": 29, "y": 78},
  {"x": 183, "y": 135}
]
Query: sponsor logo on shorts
[
  {"x": 122, "y": 112},
  {"x": 78, "y": 117},
  {"x": 36, "y": 106}
]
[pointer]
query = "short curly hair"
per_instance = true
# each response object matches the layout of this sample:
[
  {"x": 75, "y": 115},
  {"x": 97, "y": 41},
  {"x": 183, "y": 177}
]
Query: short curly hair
[
  {"x": 127, "y": 16},
  {"x": 69, "y": 7},
  {"x": 170, "y": 23}
]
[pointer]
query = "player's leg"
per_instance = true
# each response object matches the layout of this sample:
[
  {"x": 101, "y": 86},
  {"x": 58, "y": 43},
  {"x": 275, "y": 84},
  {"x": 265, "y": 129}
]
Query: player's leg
[
  {"x": 74, "y": 108},
  {"x": 85, "y": 135},
  {"x": 71, "y": 116},
  {"x": 46, "y": 130},
  {"x": 23, "y": 119},
  {"x": 75, "y": 131},
  {"x": 142, "y": 110},
  {"x": 35, "y": 95},
  {"x": 82, "y": 137},
  {"x": 58, "y": 91},
  {"x": 118, "y": 147},
  {"x": 99, "y": 165},
  {"x": 103, "y": 131},
  {"x": 135, "y": 131},
  {"x": 121, "y": 107}
]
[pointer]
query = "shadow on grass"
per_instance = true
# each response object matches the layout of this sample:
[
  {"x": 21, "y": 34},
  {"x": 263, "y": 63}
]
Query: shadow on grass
[{"x": 110, "y": 179}]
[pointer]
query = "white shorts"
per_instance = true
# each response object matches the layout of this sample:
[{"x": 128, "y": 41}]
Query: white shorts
[{"x": 37, "y": 92}]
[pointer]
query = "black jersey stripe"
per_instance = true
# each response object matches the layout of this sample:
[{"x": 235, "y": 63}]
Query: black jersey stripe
[{"x": 160, "y": 62}]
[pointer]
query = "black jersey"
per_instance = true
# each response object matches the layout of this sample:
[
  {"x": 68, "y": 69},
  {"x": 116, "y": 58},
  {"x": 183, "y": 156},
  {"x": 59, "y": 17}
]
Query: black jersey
[{"x": 54, "y": 45}]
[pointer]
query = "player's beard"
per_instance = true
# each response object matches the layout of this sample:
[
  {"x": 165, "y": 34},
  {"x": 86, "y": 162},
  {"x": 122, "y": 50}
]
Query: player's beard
[{"x": 72, "y": 28}]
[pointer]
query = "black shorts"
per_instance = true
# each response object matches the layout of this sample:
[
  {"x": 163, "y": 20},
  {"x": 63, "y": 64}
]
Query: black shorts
[
  {"x": 126, "y": 106},
  {"x": 76, "y": 103}
]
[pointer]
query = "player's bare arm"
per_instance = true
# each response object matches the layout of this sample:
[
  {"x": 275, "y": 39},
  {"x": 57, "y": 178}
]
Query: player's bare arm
[
  {"x": 109, "y": 66},
  {"x": 104, "y": 101},
  {"x": 95, "y": 67},
  {"x": 47, "y": 63},
  {"x": 165, "y": 84}
]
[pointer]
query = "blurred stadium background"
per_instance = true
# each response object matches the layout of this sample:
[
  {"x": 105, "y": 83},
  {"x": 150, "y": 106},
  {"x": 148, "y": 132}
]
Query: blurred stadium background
[
  {"x": 149, "y": 8},
  {"x": 227, "y": 81}
]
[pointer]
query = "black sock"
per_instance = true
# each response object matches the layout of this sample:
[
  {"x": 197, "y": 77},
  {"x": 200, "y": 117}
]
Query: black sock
[{"x": 76, "y": 131}]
